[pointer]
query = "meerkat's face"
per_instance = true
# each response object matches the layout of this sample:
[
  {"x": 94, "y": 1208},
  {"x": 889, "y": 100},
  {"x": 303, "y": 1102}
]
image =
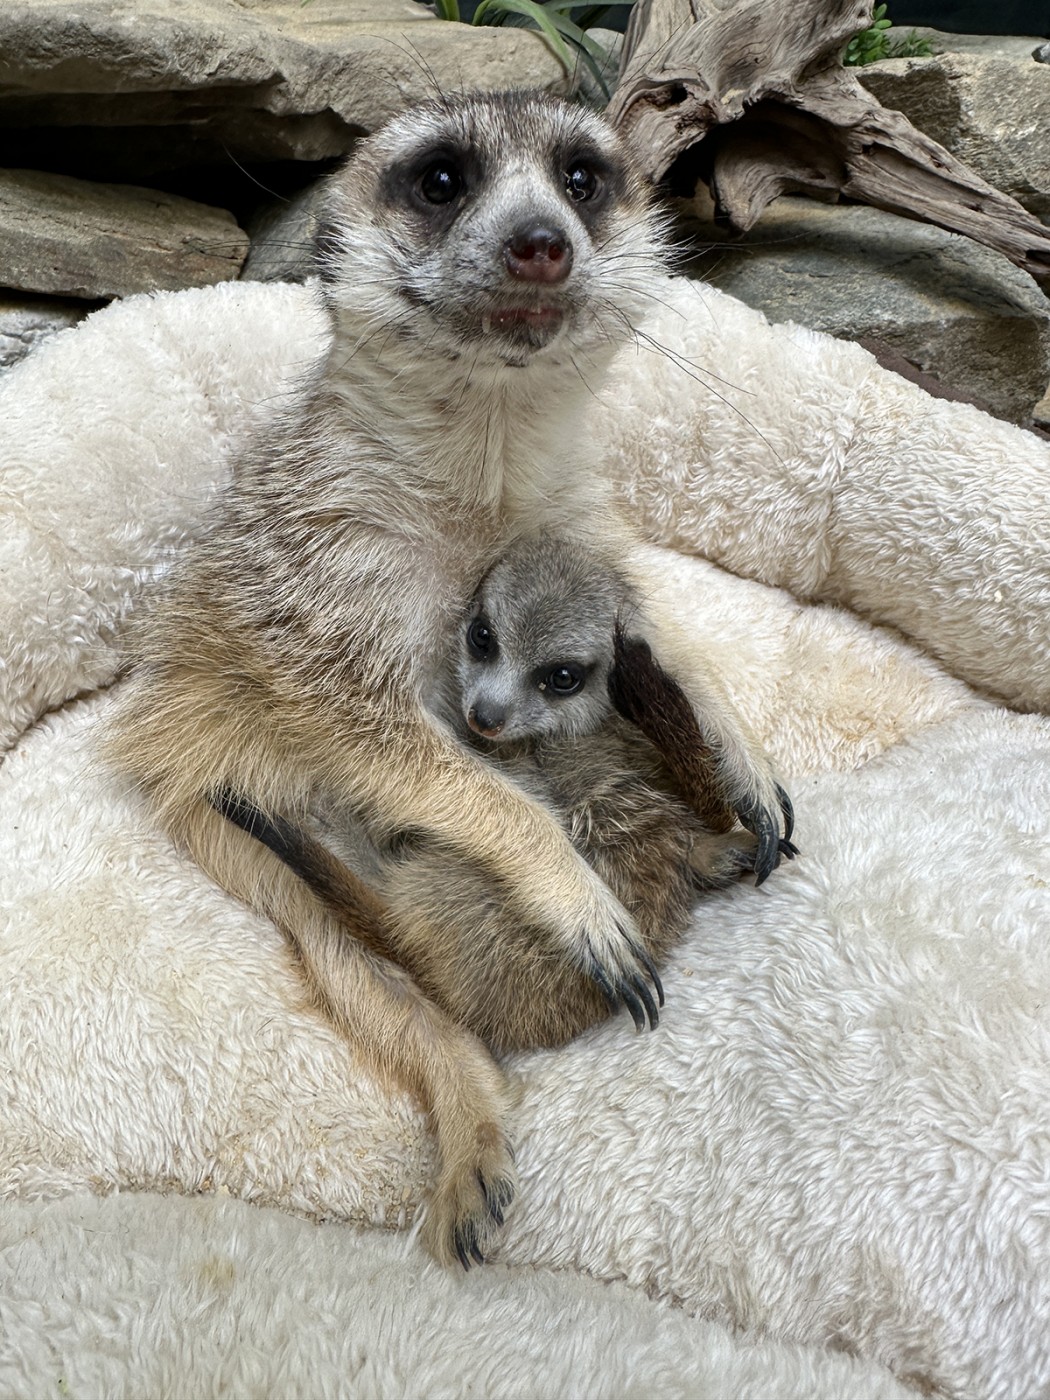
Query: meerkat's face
[
  {"x": 496, "y": 228},
  {"x": 537, "y": 647}
]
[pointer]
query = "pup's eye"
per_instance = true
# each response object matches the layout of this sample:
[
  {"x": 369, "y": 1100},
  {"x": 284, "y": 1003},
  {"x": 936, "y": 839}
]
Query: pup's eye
[
  {"x": 564, "y": 680},
  {"x": 581, "y": 182},
  {"x": 481, "y": 639},
  {"x": 441, "y": 182}
]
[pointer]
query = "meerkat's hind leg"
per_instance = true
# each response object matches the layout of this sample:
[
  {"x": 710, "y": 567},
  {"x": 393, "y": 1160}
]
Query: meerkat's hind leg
[{"x": 381, "y": 1011}]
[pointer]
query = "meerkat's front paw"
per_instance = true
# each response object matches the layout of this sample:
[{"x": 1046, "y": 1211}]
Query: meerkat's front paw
[
  {"x": 762, "y": 817},
  {"x": 470, "y": 1202},
  {"x": 611, "y": 953}
]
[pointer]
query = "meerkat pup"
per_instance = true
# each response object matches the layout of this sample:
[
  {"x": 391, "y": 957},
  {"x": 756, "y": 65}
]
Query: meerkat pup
[
  {"x": 484, "y": 257},
  {"x": 528, "y": 685}
]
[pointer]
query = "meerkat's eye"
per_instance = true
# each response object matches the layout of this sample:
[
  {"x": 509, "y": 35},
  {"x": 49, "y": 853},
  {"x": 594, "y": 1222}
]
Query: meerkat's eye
[
  {"x": 481, "y": 639},
  {"x": 581, "y": 182},
  {"x": 441, "y": 182},
  {"x": 563, "y": 680}
]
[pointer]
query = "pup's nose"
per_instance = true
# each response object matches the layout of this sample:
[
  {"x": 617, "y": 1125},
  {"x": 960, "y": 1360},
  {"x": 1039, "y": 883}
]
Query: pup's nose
[
  {"x": 536, "y": 253},
  {"x": 487, "y": 723}
]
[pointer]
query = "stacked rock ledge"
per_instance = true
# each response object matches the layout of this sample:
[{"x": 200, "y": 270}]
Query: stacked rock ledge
[
  {"x": 959, "y": 312},
  {"x": 78, "y": 239}
]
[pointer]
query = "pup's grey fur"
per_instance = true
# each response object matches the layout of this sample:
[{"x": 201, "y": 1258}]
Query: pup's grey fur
[
  {"x": 530, "y": 690},
  {"x": 486, "y": 256}
]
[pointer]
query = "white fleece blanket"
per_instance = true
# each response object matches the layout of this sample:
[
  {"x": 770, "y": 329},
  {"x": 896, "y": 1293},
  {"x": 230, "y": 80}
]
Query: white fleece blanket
[{"x": 826, "y": 1174}]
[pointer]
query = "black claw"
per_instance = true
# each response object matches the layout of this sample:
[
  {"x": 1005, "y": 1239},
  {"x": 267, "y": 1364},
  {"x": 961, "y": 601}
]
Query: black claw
[
  {"x": 633, "y": 1005},
  {"x": 767, "y": 857},
  {"x": 650, "y": 967},
  {"x": 788, "y": 849},
  {"x": 466, "y": 1238},
  {"x": 788, "y": 811},
  {"x": 497, "y": 1197},
  {"x": 491, "y": 1203},
  {"x": 647, "y": 1001},
  {"x": 603, "y": 984}
]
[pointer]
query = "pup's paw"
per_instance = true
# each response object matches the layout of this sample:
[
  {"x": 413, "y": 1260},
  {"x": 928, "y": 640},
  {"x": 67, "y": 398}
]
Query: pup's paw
[{"x": 720, "y": 859}]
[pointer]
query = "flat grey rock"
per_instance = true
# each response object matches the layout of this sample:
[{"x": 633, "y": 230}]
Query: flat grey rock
[
  {"x": 78, "y": 239},
  {"x": 961, "y": 312},
  {"x": 986, "y": 100},
  {"x": 264, "y": 79},
  {"x": 27, "y": 321}
]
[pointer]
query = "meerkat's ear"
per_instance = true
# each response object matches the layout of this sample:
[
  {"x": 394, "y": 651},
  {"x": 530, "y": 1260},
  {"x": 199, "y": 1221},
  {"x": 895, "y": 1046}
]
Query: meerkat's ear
[{"x": 643, "y": 692}]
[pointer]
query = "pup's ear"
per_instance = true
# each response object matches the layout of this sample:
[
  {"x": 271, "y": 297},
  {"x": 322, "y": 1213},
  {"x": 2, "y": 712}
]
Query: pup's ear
[{"x": 643, "y": 692}]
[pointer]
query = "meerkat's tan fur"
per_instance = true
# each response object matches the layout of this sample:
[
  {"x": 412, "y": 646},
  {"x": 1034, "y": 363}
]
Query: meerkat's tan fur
[{"x": 485, "y": 257}]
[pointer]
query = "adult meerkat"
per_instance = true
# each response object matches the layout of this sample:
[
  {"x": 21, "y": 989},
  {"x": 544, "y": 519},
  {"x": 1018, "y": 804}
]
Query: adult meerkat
[
  {"x": 529, "y": 685},
  {"x": 485, "y": 257}
]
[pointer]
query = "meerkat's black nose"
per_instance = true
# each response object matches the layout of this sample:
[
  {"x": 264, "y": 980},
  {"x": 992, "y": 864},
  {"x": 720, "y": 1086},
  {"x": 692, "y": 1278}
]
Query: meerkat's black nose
[
  {"x": 487, "y": 723},
  {"x": 535, "y": 253}
]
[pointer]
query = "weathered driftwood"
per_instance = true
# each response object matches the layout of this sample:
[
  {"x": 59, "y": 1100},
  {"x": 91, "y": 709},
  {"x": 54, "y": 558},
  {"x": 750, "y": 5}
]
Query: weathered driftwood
[{"x": 751, "y": 97}]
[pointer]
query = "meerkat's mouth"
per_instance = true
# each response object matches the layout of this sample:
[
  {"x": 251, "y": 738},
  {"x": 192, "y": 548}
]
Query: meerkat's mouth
[{"x": 538, "y": 318}]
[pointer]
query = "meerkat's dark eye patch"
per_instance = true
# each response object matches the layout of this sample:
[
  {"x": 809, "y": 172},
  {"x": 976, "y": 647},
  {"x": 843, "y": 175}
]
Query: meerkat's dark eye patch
[
  {"x": 481, "y": 640},
  {"x": 434, "y": 181},
  {"x": 564, "y": 678}
]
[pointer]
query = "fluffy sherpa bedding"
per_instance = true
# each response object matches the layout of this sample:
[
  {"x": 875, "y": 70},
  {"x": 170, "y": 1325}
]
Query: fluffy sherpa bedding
[{"x": 825, "y": 1175}]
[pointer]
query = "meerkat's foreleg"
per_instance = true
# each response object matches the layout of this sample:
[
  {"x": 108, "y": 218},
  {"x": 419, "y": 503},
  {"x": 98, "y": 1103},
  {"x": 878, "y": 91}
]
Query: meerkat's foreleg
[
  {"x": 643, "y": 692},
  {"x": 428, "y": 781},
  {"x": 743, "y": 780},
  {"x": 397, "y": 1029}
]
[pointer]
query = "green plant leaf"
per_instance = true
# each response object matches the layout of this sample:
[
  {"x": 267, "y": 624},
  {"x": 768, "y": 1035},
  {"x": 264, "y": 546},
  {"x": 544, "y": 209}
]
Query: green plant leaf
[
  {"x": 531, "y": 10},
  {"x": 558, "y": 7},
  {"x": 595, "y": 58}
]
